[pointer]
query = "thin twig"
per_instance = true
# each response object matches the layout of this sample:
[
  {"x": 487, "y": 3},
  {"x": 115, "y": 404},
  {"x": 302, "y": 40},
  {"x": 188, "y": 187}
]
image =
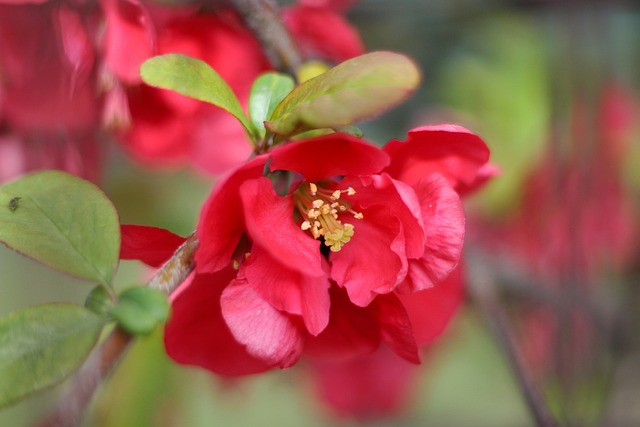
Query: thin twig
[
  {"x": 72, "y": 406},
  {"x": 483, "y": 295},
  {"x": 262, "y": 17}
]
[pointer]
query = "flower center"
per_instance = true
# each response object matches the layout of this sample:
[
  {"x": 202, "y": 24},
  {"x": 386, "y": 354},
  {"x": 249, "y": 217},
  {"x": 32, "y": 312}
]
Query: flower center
[{"x": 320, "y": 209}]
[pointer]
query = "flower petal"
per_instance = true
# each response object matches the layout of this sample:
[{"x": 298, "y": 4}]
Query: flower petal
[
  {"x": 431, "y": 309},
  {"x": 444, "y": 222},
  {"x": 197, "y": 334},
  {"x": 129, "y": 38},
  {"x": 450, "y": 150},
  {"x": 269, "y": 334},
  {"x": 396, "y": 198},
  {"x": 269, "y": 221},
  {"x": 321, "y": 32},
  {"x": 336, "y": 154},
  {"x": 373, "y": 262},
  {"x": 369, "y": 387},
  {"x": 222, "y": 221},
  {"x": 395, "y": 327},
  {"x": 289, "y": 290},
  {"x": 151, "y": 245},
  {"x": 352, "y": 330}
]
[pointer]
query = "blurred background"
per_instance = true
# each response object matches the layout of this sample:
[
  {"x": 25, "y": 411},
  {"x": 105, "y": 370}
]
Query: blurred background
[{"x": 552, "y": 261}]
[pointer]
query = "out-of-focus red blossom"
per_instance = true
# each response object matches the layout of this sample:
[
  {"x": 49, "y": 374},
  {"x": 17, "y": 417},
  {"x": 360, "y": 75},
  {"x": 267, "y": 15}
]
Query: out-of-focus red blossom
[
  {"x": 169, "y": 129},
  {"x": 264, "y": 283},
  {"x": 322, "y": 33},
  {"x": 575, "y": 226},
  {"x": 49, "y": 105},
  {"x": 72, "y": 67},
  {"x": 575, "y": 220}
]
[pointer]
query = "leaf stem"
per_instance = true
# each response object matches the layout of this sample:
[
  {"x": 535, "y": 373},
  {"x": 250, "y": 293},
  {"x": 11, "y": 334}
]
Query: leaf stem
[
  {"x": 72, "y": 406},
  {"x": 262, "y": 17}
]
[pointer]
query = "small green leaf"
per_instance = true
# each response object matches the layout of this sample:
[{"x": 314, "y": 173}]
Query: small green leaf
[
  {"x": 140, "y": 309},
  {"x": 354, "y": 90},
  {"x": 266, "y": 93},
  {"x": 42, "y": 345},
  {"x": 62, "y": 221},
  {"x": 196, "y": 79}
]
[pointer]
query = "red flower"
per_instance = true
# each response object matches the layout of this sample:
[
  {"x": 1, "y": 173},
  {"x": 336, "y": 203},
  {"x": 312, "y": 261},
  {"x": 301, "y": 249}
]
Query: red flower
[
  {"x": 328, "y": 265},
  {"x": 49, "y": 107},
  {"x": 167, "y": 128}
]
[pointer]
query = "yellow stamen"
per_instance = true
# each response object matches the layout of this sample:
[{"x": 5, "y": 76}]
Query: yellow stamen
[{"x": 321, "y": 211}]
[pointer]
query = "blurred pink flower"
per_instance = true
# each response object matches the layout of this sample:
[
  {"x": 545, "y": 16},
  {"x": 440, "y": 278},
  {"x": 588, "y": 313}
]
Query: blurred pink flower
[
  {"x": 169, "y": 129},
  {"x": 49, "y": 105}
]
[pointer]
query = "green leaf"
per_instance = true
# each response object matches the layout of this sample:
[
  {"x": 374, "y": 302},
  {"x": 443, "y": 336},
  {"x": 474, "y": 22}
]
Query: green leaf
[
  {"x": 62, "y": 221},
  {"x": 354, "y": 90},
  {"x": 140, "y": 309},
  {"x": 266, "y": 93},
  {"x": 42, "y": 345},
  {"x": 196, "y": 79}
]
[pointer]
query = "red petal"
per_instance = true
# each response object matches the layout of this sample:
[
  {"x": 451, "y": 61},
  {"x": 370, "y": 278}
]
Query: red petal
[
  {"x": 430, "y": 310},
  {"x": 269, "y": 220},
  {"x": 369, "y": 387},
  {"x": 197, "y": 334},
  {"x": 151, "y": 245},
  {"x": 444, "y": 223},
  {"x": 76, "y": 43},
  {"x": 352, "y": 330},
  {"x": 331, "y": 155},
  {"x": 158, "y": 132},
  {"x": 129, "y": 38},
  {"x": 289, "y": 290},
  {"x": 398, "y": 200},
  {"x": 450, "y": 150},
  {"x": 268, "y": 334},
  {"x": 221, "y": 222},
  {"x": 374, "y": 260},
  {"x": 395, "y": 327},
  {"x": 234, "y": 149},
  {"x": 320, "y": 32}
]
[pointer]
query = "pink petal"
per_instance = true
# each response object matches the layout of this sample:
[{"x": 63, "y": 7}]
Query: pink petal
[
  {"x": 431, "y": 309},
  {"x": 222, "y": 221},
  {"x": 368, "y": 387},
  {"x": 197, "y": 334},
  {"x": 395, "y": 327},
  {"x": 151, "y": 245},
  {"x": 158, "y": 132},
  {"x": 444, "y": 223},
  {"x": 233, "y": 148},
  {"x": 327, "y": 156},
  {"x": 289, "y": 290},
  {"x": 398, "y": 200},
  {"x": 269, "y": 220},
  {"x": 76, "y": 43},
  {"x": 129, "y": 38},
  {"x": 373, "y": 262},
  {"x": 321, "y": 32},
  {"x": 352, "y": 330},
  {"x": 450, "y": 150},
  {"x": 269, "y": 334}
]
